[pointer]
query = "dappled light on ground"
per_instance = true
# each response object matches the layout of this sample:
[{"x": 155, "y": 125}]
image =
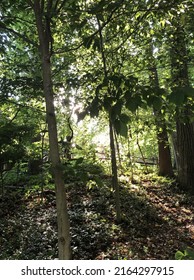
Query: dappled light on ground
[{"x": 157, "y": 221}]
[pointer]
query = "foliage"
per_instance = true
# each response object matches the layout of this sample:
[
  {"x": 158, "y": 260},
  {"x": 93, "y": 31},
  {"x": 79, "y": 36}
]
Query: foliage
[
  {"x": 187, "y": 254},
  {"x": 102, "y": 66},
  {"x": 82, "y": 171},
  {"x": 13, "y": 137}
]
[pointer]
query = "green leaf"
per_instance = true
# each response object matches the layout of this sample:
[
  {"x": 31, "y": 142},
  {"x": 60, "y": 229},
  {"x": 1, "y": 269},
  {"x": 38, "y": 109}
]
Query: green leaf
[
  {"x": 124, "y": 118},
  {"x": 116, "y": 110},
  {"x": 154, "y": 101},
  {"x": 130, "y": 82},
  {"x": 87, "y": 42},
  {"x": 78, "y": 147},
  {"x": 107, "y": 103},
  {"x": 121, "y": 128},
  {"x": 177, "y": 96},
  {"x": 189, "y": 253},
  {"x": 157, "y": 103},
  {"x": 79, "y": 161},
  {"x": 116, "y": 80},
  {"x": 189, "y": 91},
  {"x": 133, "y": 103},
  {"x": 179, "y": 255}
]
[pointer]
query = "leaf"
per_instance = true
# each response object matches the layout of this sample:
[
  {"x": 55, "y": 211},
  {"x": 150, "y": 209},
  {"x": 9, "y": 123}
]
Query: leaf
[
  {"x": 189, "y": 253},
  {"x": 132, "y": 106},
  {"x": 87, "y": 42},
  {"x": 79, "y": 160},
  {"x": 163, "y": 23},
  {"x": 107, "y": 103},
  {"x": 116, "y": 80},
  {"x": 133, "y": 103},
  {"x": 121, "y": 128},
  {"x": 179, "y": 255},
  {"x": 124, "y": 118},
  {"x": 177, "y": 96},
  {"x": 78, "y": 147},
  {"x": 157, "y": 103},
  {"x": 83, "y": 177},
  {"x": 130, "y": 82},
  {"x": 189, "y": 91},
  {"x": 154, "y": 101},
  {"x": 116, "y": 110}
]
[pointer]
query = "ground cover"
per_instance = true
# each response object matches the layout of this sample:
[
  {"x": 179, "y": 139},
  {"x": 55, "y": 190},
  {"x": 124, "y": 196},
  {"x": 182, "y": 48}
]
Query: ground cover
[{"x": 158, "y": 220}]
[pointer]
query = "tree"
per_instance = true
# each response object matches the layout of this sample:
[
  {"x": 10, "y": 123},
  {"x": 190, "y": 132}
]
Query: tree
[
  {"x": 44, "y": 12},
  {"x": 181, "y": 92},
  {"x": 165, "y": 163},
  {"x": 45, "y": 15}
]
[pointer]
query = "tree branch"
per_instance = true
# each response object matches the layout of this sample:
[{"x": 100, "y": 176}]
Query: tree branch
[
  {"x": 95, "y": 33},
  {"x": 21, "y": 36}
]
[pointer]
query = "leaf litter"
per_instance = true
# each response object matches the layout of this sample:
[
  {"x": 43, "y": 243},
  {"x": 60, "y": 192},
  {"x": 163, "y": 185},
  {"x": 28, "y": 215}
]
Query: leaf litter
[{"x": 157, "y": 220}]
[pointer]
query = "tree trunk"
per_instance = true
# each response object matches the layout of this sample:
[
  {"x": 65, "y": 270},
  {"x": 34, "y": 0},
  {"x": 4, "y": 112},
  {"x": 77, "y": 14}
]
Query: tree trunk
[
  {"x": 164, "y": 155},
  {"x": 114, "y": 172},
  {"x": 61, "y": 203},
  {"x": 184, "y": 126},
  {"x": 112, "y": 136},
  {"x": 185, "y": 146},
  {"x": 165, "y": 162}
]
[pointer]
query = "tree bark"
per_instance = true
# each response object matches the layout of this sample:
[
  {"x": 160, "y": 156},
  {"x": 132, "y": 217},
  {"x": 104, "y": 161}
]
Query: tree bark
[
  {"x": 165, "y": 162},
  {"x": 184, "y": 125},
  {"x": 115, "y": 183},
  {"x": 164, "y": 155},
  {"x": 112, "y": 136},
  {"x": 185, "y": 146},
  {"x": 64, "y": 251}
]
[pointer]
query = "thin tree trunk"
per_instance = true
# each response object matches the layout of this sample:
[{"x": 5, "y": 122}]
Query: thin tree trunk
[
  {"x": 118, "y": 149},
  {"x": 115, "y": 183},
  {"x": 112, "y": 138},
  {"x": 61, "y": 203}
]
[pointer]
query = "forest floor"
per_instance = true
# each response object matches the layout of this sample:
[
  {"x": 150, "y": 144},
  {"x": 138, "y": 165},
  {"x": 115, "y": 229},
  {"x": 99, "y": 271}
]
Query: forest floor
[{"x": 158, "y": 220}]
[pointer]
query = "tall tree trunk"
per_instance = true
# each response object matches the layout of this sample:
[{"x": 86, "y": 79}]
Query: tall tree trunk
[
  {"x": 115, "y": 183},
  {"x": 45, "y": 39},
  {"x": 164, "y": 155},
  {"x": 111, "y": 134},
  {"x": 184, "y": 126},
  {"x": 185, "y": 147}
]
